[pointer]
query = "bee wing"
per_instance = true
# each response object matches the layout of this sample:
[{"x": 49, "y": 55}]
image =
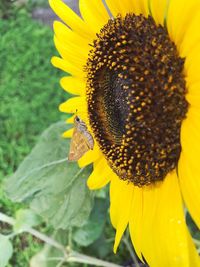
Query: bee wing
[{"x": 78, "y": 147}]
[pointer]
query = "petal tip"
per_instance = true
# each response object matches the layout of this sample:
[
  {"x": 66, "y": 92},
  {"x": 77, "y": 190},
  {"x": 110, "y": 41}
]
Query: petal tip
[
  {"x": 68, "y": 133},
  {"x": 90, "y": 185},
  {"x": 61, "y": 107},
  {"x": 53, "y": 61},
  {"x": 115, "y": 247}
]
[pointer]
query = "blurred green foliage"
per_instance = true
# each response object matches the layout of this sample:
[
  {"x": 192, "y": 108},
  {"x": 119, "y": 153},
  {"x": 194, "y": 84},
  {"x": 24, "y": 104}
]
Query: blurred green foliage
[
  {"x": 38, "y": 3},
  {"x": 29, "y": 88},
  {"x": 6, "y": 8},
  {"x": 29, "y": 99}
]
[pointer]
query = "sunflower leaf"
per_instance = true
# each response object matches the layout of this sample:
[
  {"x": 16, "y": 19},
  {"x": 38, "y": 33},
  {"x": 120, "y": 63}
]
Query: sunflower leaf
[
  {"x": 93, "y": 227},
  {"x": 25, "y": 219},
  {"x": 53, "y": 187}
]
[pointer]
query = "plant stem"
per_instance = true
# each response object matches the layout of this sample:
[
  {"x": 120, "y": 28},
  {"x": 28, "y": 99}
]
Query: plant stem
[
  {"x": 77, "y": 257},
  {"x": 50, "y": 241},
  {"x": 60, "y": 263},
  {"x": 44, "y": 238},
  {"x": 70, "y": 238},
  {"x": 6, "y": 219},
  {"x": 129, "y": 248},
  {"x": 68, "y": 255}
]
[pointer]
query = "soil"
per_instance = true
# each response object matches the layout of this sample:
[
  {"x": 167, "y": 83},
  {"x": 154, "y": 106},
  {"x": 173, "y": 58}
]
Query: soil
[{"x": 47, "y": 16}]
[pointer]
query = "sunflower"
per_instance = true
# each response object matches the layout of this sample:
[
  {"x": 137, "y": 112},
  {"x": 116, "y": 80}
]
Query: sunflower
[{"x": 135, "y": 79}]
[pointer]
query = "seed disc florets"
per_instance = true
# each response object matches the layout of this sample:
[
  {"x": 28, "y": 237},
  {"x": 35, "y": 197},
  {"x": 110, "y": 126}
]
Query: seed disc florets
[{"x": 136, "y": 98}]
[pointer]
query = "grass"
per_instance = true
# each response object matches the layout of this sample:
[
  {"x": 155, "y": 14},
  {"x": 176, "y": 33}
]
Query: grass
[{"x": 29, "y": 88}]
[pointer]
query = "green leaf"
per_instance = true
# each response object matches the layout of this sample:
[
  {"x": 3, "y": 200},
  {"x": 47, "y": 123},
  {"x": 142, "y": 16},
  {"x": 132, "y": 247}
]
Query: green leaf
[
  {"x": 101, "y": 247},
  {"x": 6, "y": 250},
  {"x": 54, "y": 187},
  {"x": 93, "y": 228},
  {"x": 25, "y": 219}
]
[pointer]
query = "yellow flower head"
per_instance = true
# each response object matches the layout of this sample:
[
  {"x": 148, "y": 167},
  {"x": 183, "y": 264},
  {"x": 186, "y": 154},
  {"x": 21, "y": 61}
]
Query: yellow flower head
[{"x": 135, "y": 74}]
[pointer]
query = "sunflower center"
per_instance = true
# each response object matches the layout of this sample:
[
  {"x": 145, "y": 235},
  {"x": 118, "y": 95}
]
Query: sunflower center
[{"x": 136, "y": 98}]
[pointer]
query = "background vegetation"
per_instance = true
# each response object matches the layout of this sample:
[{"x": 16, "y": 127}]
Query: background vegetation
[{"x": 29, "y": 100}]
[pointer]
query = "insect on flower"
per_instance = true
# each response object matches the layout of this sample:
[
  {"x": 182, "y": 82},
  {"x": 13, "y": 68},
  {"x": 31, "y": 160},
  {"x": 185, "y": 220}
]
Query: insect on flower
[{"x": 82, "y": 140}]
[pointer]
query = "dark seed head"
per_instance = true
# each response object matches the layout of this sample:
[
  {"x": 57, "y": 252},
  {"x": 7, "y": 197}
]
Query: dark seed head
[{"x": 136, "y": 98}]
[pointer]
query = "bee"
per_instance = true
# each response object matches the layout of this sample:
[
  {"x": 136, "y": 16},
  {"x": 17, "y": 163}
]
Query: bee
[{"x": 81, "y": 141}]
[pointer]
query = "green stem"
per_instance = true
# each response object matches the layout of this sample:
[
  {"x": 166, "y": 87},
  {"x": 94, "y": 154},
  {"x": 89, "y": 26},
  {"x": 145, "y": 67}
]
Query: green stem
[
  {"x": 70, "y": 238},
  {"x": 6, "y": 219},
  {"x": 60, "y": 263},
  {"x": 129, "y": 248},
  {"x": 46, "y": 239},
  {"x": 80, "y": 258},
  {"x": 68, "y": 255}
]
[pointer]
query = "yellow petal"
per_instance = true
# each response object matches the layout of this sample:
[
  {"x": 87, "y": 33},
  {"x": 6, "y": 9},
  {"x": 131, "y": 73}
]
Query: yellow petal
[
  {"x": 70, "y": 54},
  {"x": 139, "y": 230},
  {"x": 70, "y": 18},
  {"x": 121, "y": 194},
  {"x": 190, "y": 185},
  {"x": 68, "y": 133},
  {"x": 94, "y": 14},
  {"x": 128, "y": 6},
  {"x": 193, "y": 95},
  {"x": 74, "y": 105},
  {"x": 159, "y": 10},
  {"x": 192, "y": 66},
  {"x": 179, "y": 16},
  {"x": 194, "y": 89},
  {"x": 67, "y": 67},
  {"x": 116, "y": 7},
  {"x": 100, "y": 175},
  {"x": 194, "y": 100},
  {"x": 73, "y": 85},
  {"x": 192, "y": 35},
  {"x": 70, "y": 120},
  {"x": 159, "y": 231},
  {"x": 90, "y": 156},
  {"x": 189, "y": 168},
  {"x": 71, "y": 38}
]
